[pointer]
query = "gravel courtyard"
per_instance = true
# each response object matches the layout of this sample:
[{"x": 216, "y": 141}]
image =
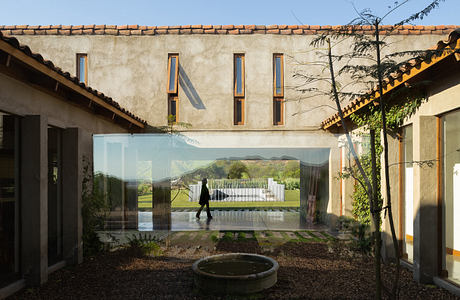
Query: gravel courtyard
[{"x": 313, "y": 265}]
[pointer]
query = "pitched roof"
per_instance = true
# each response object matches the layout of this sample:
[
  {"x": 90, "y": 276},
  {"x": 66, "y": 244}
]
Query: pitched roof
[
  {"x": 126, "y": 30},
  {"x": 415, "y": 66},
  {"x": 12, "y": 47}
]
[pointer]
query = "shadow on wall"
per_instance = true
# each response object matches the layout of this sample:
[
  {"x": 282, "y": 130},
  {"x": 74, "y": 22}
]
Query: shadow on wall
[{"x": 189, "y": 89}]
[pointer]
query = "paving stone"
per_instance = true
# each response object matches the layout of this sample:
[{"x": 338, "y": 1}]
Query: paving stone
[
  {"x": 318, "y": 235},
  {"x": 277, "y": 234},
  {"x": 305, "y": 234},
  {"x": 262, "y": 235},
  {"x": 344, "y": 236},
  {"x": 177, "y": 235},
  {"x": 291, "y": 235}
]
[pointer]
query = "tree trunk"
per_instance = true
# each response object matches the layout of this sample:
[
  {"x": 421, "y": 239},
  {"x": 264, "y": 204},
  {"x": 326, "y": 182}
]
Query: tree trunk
[{"x": 394, "y": 290}]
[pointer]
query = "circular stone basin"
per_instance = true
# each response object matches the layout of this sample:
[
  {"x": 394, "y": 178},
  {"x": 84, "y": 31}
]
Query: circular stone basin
[{"x": 235, "y": 273}]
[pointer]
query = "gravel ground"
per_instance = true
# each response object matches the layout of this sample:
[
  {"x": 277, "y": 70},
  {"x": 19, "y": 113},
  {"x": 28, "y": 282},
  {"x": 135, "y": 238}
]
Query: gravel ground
[{"x": 308, "y": 270}]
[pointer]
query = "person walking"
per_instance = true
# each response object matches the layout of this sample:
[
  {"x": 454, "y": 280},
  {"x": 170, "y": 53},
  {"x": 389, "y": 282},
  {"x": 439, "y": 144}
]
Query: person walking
[{"x": 204, "y": 199}]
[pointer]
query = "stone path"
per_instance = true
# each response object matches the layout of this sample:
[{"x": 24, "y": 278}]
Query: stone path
[{"x": 209, "y": 239}]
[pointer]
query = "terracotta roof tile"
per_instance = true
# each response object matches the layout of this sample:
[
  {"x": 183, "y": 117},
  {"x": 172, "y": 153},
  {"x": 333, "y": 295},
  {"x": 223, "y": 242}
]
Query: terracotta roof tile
[
  {"x": 453, "y": 39},
  {"x": 215, "y": 29}
]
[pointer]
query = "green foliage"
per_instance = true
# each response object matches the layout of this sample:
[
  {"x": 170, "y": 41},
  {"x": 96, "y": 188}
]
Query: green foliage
[
  {"x": 94, "y": 211},
  {"x": 147, "y": 244},
  {"x": 396, "y": 112},
  {"x": 237, "y": 169},
  {"x": 371, "y": 118},
  {"x": 228, "y": 236},
  {"x": 214, "y": 238},
  {"x": 291, "y": 183}
]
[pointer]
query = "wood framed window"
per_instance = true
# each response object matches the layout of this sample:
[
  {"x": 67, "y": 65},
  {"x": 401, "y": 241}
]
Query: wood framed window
[
  {"x": 278, "y": 75},
  {"x": 173, "y": 73},
  {"x": 239, "y": 75},
  {"x": 278, "y": 89},
  {"x": 238, "y": 89},
  {"x": 82, "y": 68},
  {"x": 173, "y": 108},
  {"x": 278, "y": 111},
  {"x": 239, "y": 111},
  {"x": 172, "y": 88}
]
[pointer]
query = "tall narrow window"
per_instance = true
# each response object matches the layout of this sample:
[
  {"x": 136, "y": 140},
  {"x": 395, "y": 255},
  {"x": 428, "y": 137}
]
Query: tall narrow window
[
  {"x": 173, "y": 78},
  {"x": 238, "y": 89},
  {"x": 278, "y": 89},
  {"x": 82, "y": 68}
]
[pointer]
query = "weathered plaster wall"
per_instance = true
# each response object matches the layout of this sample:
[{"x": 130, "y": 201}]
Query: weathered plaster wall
[
  {"x": 21, "y": 99},
  {"x": 133, "y": 70}
]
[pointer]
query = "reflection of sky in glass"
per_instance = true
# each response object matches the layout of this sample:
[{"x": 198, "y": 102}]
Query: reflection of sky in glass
[
  {"x": 239, "y": 78},
  {"x": 82, "y": 69},
  {"x": 278, "y": 74},
  {"x": 172, "y": 75},
  {"x": 163, "y": 156}
]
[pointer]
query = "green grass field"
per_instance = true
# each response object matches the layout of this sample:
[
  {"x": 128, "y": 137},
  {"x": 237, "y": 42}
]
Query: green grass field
[{"x": 292, "y": 199}]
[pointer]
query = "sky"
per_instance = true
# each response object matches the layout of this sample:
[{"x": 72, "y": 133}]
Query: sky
[{"x": 216, "y": 12}]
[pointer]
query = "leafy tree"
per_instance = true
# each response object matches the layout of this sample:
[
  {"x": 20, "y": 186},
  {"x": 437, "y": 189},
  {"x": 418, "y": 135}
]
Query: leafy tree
[
  {"x": 237, "y": 170},
  {"x": 366, "y": 65}
]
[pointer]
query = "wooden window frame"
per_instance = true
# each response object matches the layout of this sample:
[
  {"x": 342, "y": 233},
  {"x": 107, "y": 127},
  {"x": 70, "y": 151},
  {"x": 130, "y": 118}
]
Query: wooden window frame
[
  {"x": 235, "y": 103},
  {"x": 172, "y": 97},
  {"x": 243, "y": 73},
  {"x": 275, "y": 56},
  {"x": 281, "y": 101},
  {"x": 171, "y": 55},
  {"x": 85, "y": 56}
]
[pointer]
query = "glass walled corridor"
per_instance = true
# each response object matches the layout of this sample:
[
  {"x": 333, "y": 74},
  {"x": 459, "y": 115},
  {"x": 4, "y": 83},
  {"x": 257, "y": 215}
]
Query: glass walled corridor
[{"x": 153, "y": 181}]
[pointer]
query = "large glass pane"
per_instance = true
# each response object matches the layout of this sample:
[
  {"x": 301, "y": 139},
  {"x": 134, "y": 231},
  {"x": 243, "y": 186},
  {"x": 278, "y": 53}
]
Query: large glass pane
[
  {"x": 172, "y": 74},
  {"x": 451, "y": 168},
  {"x": 278, "y": 74},
  {"x": 408, "y": 187},
  {"x": 82, "y": 68},
  {"x": 239, "y": 75},
  {"x": 54, "y": 196},
  {"x": 9, "y": 206},
  {"x": 248, "y": 184}
]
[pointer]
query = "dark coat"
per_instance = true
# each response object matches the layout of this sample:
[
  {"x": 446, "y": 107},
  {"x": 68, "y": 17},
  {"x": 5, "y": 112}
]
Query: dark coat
[{"x": 204, "y": 196}]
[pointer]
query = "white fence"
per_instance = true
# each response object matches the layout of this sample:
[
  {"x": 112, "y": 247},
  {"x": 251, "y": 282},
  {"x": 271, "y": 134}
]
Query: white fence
[{"x": 229, "y": 190}]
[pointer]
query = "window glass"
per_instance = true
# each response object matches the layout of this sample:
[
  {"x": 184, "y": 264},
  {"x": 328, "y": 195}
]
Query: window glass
[
  {"x": 82, "y": 68},
  {"x": 239, "y": 76},
  {"x": 408, "y": 187},
  {"x": 278, "y": 75},
  {"x": 451, "y": 193},
  {"x": 239, "y": 111},
  {"x": 278, "y": 111},
  {"x": 172, "y": 74},
  {"x": 9, "y": 206},
  {"x": 54, "y": 196}
]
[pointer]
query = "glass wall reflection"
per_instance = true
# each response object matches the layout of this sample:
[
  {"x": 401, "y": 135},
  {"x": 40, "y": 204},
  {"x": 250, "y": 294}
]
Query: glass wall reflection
[{"x": 146, "y": 177}]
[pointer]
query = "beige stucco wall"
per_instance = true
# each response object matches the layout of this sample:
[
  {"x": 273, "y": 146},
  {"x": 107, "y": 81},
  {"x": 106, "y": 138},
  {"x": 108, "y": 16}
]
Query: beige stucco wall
[
  {"x": 133, "y": 70},
  {"x": 21, "y": 99}
]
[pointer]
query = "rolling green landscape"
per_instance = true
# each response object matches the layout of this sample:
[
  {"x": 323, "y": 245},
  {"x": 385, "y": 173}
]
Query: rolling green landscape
[{"x": 292, "y": 199}]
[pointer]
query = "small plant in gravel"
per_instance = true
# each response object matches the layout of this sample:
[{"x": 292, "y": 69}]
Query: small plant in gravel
[
  {"x": 147, "y": 244},
  {"x": 214, "y": 238},
  {"x": 228, "y": 236}
]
